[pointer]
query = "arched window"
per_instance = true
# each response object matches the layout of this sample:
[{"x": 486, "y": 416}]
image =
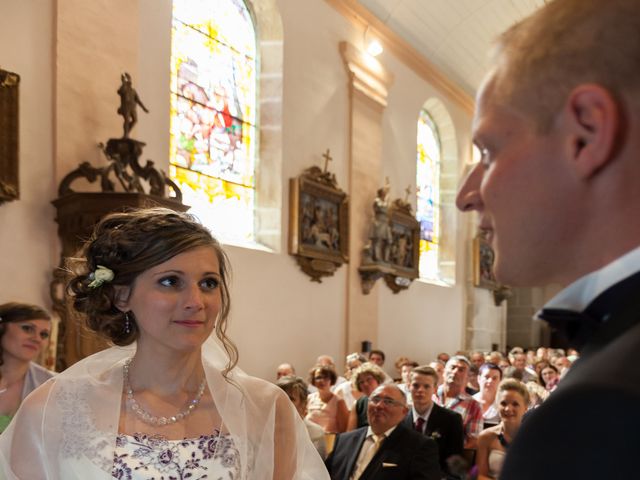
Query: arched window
[
  {"x": 428, "y": 192},
  {"x": 213, "y": 141},
  {"x": 436, "y": 181}
]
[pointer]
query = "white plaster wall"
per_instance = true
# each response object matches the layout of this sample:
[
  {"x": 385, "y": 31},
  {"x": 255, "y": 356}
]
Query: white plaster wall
[
  {"x": 279, "y": 315},
  {"x": 154, "y": 40},
  {"x": 27, "y": 229}
]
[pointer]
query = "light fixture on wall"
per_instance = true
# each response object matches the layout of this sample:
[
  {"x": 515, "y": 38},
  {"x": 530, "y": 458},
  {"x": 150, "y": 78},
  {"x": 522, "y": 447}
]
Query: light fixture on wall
[{"x": 371, "y": 44}]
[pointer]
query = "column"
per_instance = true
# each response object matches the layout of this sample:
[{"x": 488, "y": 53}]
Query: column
[{"x": 369, "y": 82}]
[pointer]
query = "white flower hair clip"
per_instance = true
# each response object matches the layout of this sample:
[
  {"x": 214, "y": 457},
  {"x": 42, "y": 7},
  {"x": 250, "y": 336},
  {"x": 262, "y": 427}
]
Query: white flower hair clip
[{"x": 100, "y": 276}]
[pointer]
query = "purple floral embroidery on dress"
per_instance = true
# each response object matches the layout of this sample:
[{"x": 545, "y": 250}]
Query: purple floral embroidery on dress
[
  {"x": 120, "y": 469},
  {"x": 221, "y": 448},
  {"x": 153, "y": 457}
]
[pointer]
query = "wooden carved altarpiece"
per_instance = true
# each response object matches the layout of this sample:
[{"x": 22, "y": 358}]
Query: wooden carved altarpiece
[
  {"x": 319, "y": 222},
  {"x": 393, "y": 248}
]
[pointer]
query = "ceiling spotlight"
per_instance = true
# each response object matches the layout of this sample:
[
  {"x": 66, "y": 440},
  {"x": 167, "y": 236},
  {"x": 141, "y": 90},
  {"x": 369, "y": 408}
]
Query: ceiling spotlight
[
  {"x": 374, "y": 48},
  {"x": 372, "y": 45}
]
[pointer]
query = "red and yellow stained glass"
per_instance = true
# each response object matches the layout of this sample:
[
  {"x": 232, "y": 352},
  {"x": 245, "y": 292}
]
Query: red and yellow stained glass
[{"x": 213, "y": 113}]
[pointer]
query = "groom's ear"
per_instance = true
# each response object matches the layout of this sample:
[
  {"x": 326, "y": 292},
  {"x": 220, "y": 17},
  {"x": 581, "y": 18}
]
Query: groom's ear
[{"x": 593, "y": 121}]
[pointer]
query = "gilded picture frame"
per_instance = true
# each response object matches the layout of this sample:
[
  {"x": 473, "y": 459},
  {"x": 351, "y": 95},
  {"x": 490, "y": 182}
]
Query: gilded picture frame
[
  {"x": 9, "y": 135},
  {"x": 483, "y": 257},
  {"x": 319, "y": 223}
]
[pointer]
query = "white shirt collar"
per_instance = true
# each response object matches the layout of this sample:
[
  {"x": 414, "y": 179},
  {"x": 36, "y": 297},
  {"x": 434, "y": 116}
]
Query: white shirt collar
[
  {"x": 386, "y": 434},
  {"x": 583, "y": 291},
  {"x": 426, "y": 414}
]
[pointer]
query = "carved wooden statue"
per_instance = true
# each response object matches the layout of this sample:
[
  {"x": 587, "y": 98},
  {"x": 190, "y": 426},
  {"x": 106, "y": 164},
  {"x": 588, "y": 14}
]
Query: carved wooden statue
[{"x": 129, "y": 100}]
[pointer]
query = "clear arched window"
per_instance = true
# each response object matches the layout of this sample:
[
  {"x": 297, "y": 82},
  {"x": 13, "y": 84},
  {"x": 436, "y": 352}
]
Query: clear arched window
[
  {"x": 428, "y": 193},
  {"x": 213, "y": 113}
]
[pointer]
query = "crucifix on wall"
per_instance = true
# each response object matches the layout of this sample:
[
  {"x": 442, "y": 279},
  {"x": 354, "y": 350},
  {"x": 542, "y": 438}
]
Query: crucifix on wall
[
  {"x": 327, "y": 158},
  {"x": 408, "y": 191}
]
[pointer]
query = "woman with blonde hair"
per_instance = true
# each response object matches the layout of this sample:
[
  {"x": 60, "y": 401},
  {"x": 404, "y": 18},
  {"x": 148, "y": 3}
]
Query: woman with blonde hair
[
  {"x": 168, "y": 399},
  {"x": 493, "y": 442},
  {"x": 366, "y": 378}
]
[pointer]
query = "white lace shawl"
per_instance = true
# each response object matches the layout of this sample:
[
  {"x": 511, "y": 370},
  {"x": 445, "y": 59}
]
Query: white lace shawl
[{"x": 66, "y": 429}]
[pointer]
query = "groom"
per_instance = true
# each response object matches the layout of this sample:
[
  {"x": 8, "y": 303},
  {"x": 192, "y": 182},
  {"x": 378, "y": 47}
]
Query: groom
[{"x": 557, "y": 194}]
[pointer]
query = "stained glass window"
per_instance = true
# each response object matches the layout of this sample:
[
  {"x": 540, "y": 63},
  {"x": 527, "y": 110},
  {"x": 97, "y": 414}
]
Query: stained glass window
[
  {"x": 428, "y": 192},
  {"x": 213, "y": 113}
]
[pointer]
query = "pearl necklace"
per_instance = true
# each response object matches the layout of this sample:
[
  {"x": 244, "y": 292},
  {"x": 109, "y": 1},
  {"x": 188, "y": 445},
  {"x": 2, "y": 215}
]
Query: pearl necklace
[{"x": 152, "y": 419}]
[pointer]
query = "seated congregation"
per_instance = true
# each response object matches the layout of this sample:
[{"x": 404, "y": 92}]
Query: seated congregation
[{"x": 451, "y": 419}]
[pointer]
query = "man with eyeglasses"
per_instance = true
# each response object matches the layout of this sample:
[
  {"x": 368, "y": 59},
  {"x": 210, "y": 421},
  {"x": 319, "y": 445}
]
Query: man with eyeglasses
[{"x": 386, "y": 449}]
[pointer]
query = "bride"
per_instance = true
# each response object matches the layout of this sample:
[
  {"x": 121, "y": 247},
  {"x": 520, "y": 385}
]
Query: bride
[{"x": 167, "y": 400}]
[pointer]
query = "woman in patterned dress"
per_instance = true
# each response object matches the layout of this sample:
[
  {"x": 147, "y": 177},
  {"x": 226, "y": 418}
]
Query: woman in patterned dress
[{"x": 167, "y": 401}]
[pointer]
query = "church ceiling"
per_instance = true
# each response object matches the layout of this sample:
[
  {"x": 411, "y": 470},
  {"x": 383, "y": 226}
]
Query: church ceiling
[{"x": 454, "y": 35}]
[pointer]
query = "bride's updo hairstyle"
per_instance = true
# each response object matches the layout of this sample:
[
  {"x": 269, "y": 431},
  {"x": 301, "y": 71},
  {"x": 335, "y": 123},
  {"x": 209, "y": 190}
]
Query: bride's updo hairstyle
[{"x": 128, "y": 244}]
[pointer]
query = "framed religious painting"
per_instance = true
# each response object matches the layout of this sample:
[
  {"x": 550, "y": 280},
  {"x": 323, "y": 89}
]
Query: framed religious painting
[
  {"x": 9, "y": 161},
  {"x": 483, "y": 257},
  {"x": 319, "y": 223}
]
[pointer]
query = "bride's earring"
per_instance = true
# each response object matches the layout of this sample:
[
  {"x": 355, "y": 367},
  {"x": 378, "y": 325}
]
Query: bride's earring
[{"x": 127, "y": 323}]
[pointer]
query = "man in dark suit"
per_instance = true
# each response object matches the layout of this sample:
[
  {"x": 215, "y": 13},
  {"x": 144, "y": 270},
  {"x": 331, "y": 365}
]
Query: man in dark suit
[
  {"x": 432, "y": 420},
  {"x": 386, "y": 449},
  {"x": 558, "y": 193}
]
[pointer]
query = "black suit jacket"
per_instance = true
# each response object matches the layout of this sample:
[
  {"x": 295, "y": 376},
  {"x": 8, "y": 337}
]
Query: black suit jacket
[
  {"x": 445, "y": 427},
  {"x": 405, "y": 455},
  {"x": 588, "y": 428}
]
